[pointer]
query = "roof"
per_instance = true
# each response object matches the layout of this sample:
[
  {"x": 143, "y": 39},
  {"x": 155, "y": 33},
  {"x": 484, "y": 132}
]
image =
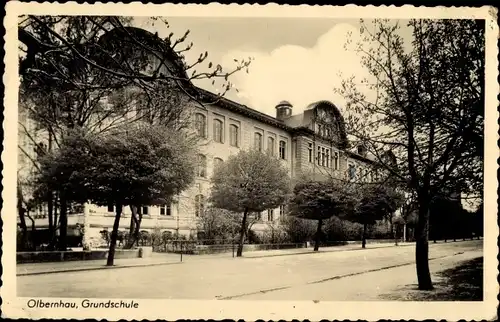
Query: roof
[
  {"x": 208, "y": 96},
  {"x": 284, "y": 103}
]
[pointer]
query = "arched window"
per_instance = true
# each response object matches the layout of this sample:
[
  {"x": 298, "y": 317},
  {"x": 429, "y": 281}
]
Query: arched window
[
  {"x": 217, "y": 162},
  {"x": 202, "y": 166},
  {"x": 200, "y": 122},
  {"x": 270, "y": 146},
  {"x": 218, "y": 131},
  {"x": 199, "y": 205},
  {"x": 258, "y": 141},
  {"x": 282, "y": 150},
  {"x": 233, "y": 135}
]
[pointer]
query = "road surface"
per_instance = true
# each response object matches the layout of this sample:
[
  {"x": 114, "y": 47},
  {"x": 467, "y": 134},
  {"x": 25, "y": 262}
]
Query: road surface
[{"x": 348, "y": 275}]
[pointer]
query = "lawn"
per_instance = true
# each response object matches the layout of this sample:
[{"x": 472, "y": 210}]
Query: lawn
[{"x": 461, "y": 283}]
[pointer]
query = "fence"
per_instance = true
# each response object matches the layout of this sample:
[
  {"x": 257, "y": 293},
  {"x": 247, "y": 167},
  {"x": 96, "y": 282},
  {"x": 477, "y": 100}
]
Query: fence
[{"x": 206, "y": 246}]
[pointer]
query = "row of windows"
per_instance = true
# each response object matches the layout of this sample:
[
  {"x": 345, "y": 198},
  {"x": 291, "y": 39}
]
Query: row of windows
[
  {"x": 165, "y": 210},
  {"x": 201, "y": 170},
  {"x": 365, "y": 175},
  {"x": 259, "y": 145},
  {"x": 270, "y": 213},
  {"x": 323, "y": 130},
  {"x": 323, "y": 157},
  {"x": 234, "y": 135},
  {"x": 199, "y": 202},
  {"x": 218, "y": 130}
]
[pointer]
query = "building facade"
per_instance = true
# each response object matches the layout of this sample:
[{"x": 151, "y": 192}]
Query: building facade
[{"x": 312, "y": 143}]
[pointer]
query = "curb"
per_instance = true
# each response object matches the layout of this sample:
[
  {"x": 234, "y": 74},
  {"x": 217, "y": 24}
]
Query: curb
[{"x": 95, "y": 268}]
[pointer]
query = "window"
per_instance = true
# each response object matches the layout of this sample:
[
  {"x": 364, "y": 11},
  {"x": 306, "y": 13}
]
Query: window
[
  {"x": 310, "y": 150},
  {"x": 270, "y": 214},
  {"x": 336, "y": 161},
  {"x": 327, "y": 158},
  {"x": 282, "y": 211},
  {"x": 270, "y": 146},
  {"x": 233, "y": 135},
  {"x": 199, "y": 204},
  {"x": 323, "y": 156},
  {"x": 111, "y": 208},
  {"x": 166, "y": 210},
  {"x": 318, "y": 160},
  {"x": 142, "y": 210},
  {"x": 217, "y": 162},
  {"x": 202, "y": 166},
  {"x": 282, "y": 150},
  {"x": 258, "y": 141},
  {"x": 319, "y": 129},
  {"x": 218, "y": 131},
  {"x": 200, "y": 122},
  {"x": 352, "y": 172}
]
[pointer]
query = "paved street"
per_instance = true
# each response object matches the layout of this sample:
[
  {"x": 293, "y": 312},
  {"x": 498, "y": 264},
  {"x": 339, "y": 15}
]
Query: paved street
[{"x": 345, "y": 275}]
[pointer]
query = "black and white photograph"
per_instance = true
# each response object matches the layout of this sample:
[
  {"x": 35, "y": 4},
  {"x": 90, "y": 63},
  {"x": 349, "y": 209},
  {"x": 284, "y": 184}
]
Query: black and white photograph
[{"x": 210, "y": 161}]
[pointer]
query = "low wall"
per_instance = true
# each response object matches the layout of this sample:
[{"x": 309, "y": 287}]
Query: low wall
[
  {"x": 374, "y": 241},
  {"x": 60, "y": 256},
  {"x": 213, "y": 249}
]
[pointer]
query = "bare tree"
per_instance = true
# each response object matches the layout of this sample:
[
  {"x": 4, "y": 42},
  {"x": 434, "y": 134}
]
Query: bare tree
[{"x": 424, "y": 102}]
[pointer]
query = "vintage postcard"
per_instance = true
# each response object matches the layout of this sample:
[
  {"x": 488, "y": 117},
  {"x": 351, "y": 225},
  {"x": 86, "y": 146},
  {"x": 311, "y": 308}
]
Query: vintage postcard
[{"x": 249, "y": 162}]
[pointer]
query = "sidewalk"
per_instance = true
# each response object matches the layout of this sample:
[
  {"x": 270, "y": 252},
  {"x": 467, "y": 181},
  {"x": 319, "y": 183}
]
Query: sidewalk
[{"x": 89, "y": 265}]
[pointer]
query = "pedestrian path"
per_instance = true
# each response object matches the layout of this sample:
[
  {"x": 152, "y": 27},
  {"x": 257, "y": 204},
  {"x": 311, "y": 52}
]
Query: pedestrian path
[{"x": 75, "y": 266}]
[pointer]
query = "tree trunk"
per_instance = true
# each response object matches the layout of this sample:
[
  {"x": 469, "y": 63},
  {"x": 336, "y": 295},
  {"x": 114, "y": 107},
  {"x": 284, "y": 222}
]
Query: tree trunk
[
  {"x": 24, "y": 228},
  {"x": 363, "y": 242},
  {"x": 239, "y": 252},
  {"x": 114, "y": 235},
  {"x": 318, "y": 235},
  {"x": 50, "y": 211},
  {"x": 86, "y": 228},
  {"x": 33, "y": 235},
  {"x": 422, "y": 247},
  {"x": 137, "y": 232},
  {"x": 131, "y": 232},
  {"x": 63, "y": 227},
  {"x": 50, "y": 206}
]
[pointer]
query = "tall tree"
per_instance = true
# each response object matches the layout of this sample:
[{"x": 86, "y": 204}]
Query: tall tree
[
  {"x": 250, "y": 181},
  {"x": 424, "y": 101},
  {"x": 320, "y": 200},
  {"x": 144, "y": 165}
]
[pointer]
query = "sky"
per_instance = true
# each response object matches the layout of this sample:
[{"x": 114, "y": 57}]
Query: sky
[{"x": 300, "y": 60}]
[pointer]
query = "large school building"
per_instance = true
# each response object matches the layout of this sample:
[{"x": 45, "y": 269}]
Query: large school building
[{"x": 312, "y": 143}]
